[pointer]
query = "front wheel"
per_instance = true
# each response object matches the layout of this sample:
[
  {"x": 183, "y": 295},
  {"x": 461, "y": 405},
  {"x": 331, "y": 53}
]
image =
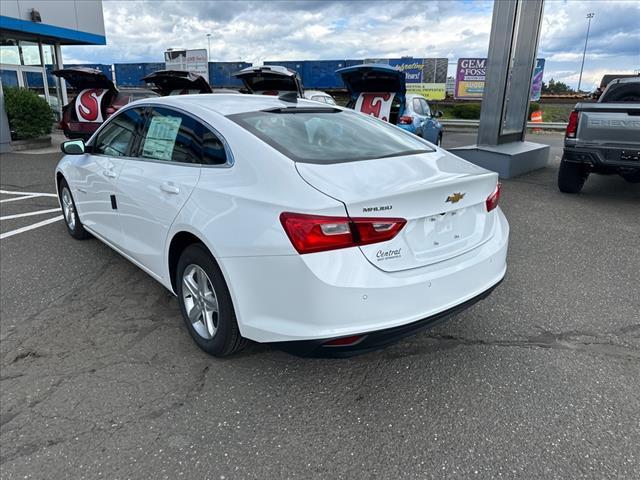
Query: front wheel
[
  {"x": 206, "y": 304},
  {"x": 70, "y": 213},
  {"x": 571, "y": 177}
]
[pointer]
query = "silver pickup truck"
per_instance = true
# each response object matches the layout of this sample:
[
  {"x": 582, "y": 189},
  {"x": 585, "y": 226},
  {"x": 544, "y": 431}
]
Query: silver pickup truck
[{"x": 603, "y": 137}]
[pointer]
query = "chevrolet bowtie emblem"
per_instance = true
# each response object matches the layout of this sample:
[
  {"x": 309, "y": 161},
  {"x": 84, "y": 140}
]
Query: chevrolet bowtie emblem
[{"x": 455, "y": 197}]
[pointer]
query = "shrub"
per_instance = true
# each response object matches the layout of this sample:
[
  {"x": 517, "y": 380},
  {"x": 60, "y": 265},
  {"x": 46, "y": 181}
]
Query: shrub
[
  {"x": 467, "y": 111},
  {"x": 29, "y": 115}
]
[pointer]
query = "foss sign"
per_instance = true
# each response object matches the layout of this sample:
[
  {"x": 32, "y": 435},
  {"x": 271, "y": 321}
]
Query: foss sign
[{"x": 471, "y": 74}]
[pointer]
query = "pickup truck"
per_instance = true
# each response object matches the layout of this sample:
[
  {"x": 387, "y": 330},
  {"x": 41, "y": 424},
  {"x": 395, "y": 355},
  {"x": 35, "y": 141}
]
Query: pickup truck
[{"x": 603, "y": 137}]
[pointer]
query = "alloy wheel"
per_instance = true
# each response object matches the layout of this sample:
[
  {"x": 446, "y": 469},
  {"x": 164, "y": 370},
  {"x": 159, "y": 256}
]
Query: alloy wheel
[
  {"x": 200, "y": 301},
  {"x": 68, "y": 209}
]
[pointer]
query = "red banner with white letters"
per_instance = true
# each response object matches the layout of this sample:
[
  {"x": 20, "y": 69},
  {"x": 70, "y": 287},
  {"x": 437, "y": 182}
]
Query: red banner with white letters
[
  {"x": 376, "y": 104},
  {"x": 88, "y": 105}
]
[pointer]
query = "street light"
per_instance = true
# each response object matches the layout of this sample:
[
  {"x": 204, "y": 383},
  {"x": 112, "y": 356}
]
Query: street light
[
  {"x": 589, "y": 17},
  {"x": 209, "y": 42}
]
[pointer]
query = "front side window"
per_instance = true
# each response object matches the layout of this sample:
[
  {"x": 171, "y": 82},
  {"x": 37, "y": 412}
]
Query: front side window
[
  {"x": 116, "y": 138},
  {"x": 323, "y": 136}
]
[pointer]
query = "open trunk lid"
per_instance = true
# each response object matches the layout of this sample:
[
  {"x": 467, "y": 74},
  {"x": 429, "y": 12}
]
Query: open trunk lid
[
  {"x": 177, "y": 82},
  {"x": 441, "y": 197},
  {"x": 270, "y": 80},
  {"x": 82, "y": 78}
]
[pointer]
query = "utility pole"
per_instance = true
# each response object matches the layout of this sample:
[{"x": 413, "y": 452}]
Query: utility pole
[
  {"x": 584, "y": 53},
  {"x": 209, "y": 49}
]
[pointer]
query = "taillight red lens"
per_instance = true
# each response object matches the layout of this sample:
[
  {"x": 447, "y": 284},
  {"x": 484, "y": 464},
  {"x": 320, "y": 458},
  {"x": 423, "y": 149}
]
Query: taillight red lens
[
  {"x": 572, "y": 126},
  {"x": 110, "y": 110},
  {"x": 405, "y": 120},
  {"x": 315, "y": 233},
  {"x": 494, "y": 198}
]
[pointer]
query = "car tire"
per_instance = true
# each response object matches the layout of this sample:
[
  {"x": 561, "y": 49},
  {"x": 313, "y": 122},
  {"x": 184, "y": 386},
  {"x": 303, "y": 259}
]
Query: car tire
[
  {"x": 205, "y": 303},
  {"x": 571, "y": 177},
  {"x": 439, "y": 141},
  {"x": 70, "y": 213}
]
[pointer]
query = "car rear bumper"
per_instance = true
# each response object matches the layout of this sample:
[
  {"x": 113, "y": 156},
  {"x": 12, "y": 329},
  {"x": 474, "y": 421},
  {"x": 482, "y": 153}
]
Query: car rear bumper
[
  {"x": 603, "y": 157},
  {"x": 339, "y": 293}
]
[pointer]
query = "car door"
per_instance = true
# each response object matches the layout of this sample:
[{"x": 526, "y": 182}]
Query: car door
[
  {"x": 154, "y": 186},
  {"x": 96, "y": 187},
  {"x": 430, "y": 129}
]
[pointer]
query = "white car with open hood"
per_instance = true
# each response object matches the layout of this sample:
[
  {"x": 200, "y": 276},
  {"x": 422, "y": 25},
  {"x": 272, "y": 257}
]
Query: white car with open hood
[{"x": 279, "y": 219}]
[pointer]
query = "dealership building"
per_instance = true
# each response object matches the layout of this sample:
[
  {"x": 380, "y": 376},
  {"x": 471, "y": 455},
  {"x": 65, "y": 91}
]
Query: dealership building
[{"x": 31, "y": 35}]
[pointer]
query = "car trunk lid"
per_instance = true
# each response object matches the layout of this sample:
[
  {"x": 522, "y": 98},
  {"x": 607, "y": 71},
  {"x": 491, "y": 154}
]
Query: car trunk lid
[
  {"x": 177, "y": 82},
  {"x": 441, "y": 197},
  {"x": 82, "y": 78},
  {"x": 270, "y": 80}
]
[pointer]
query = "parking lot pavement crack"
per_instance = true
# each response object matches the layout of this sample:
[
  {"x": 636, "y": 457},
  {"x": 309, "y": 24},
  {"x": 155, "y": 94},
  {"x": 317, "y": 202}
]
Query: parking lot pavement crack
[{"x": 585, "y": 343}]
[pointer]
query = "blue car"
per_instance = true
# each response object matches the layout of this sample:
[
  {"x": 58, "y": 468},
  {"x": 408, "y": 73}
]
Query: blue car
[{"x": 381, "y": 90}]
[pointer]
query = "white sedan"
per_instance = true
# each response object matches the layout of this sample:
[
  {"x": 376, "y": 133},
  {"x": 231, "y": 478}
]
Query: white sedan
[{"x": 278, "y": 219}]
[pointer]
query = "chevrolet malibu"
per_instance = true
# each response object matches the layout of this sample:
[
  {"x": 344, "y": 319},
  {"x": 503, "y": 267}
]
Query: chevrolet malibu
[{"x": 281, "y": 220}]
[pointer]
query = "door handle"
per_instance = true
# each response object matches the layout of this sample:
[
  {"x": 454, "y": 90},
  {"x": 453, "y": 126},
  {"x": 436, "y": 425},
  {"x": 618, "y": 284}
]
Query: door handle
[
  {"x": 109, "y": 173},
  {"x": 165, "y": 187}
]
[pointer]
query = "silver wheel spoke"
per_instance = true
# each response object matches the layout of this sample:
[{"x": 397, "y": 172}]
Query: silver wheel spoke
[
  {"x": 211, "y": 302},
  {"x": 191, "y": 287},
  {"x": 208, "y": 318},
  {"x": 194, "y": 314}
]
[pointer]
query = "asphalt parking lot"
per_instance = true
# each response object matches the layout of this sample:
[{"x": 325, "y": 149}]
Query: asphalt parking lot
[{"x": 99, "y": 378}]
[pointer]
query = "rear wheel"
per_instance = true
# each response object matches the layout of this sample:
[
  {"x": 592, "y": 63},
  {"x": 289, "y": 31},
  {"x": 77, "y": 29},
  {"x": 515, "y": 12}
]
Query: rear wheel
[
  {"x": 571, "y": 177},
  {"x": 206, "y": 304},
  {"x": 439, "y": 140},
  {"x": 74, "y": 227}
]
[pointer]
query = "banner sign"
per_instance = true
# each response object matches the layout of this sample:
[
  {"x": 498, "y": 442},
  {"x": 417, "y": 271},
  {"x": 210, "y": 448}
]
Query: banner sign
[
  {"x": 194, "y": 61},
  {"x": 89, "y": 105},
  {"x": 471, "y": 74},
  {"x": 376, "y": 104},
  {"x": 536, "y": 83},
  {"x": 424, "y": 76}
]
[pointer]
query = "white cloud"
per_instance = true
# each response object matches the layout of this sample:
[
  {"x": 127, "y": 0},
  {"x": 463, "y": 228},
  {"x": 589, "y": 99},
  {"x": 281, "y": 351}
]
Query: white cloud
[{"x": 140, "y": 31}]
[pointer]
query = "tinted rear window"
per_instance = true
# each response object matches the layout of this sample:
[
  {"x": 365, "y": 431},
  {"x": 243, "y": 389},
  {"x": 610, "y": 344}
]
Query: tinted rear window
[
  {"x": 325, "y": 136},
  {"x": 621, "y": 92}
]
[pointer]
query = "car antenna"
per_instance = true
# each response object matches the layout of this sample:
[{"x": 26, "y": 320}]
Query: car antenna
[{"x": 291, "y": 97}]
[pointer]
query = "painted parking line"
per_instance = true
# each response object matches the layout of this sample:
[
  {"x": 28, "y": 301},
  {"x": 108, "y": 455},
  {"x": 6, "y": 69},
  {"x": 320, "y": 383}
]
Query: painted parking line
[
  {"x": 30, "y": 194},
  {"x": 15, "y": 199},
  {"x": 30, "y": 227},
  {"x": 30, "y": 214}
]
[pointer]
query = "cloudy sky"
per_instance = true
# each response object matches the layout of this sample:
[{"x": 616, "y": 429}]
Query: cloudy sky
[{"x": 140, "y": 31}]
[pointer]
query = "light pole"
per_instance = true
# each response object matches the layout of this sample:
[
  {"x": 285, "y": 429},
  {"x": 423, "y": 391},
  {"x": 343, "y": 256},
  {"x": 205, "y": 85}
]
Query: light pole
[
  {"x": 209, "y": 43},
  {"x": 584, "y": 53}
]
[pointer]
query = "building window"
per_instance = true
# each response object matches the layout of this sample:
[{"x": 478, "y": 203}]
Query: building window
[
  {"x": 9, "y": 53},
  {"x": 30, "y": 53}
]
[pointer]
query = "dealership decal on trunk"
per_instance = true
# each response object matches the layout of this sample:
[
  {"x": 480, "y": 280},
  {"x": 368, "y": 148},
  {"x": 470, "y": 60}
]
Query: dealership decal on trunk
[
  {"x": 377, "y": 209},
  {"x": 88, "y": 105},
  {"x": 388, "y": 254},
  {"x": 376, "y": 104}
]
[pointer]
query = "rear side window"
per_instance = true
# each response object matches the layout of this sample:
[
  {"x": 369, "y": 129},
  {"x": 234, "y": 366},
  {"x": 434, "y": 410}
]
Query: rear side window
[
  {"x": 425, "y": 107},
  {"x": 175, "y": 137},
  {"x": 116, "y": 138},
  {"x": 417, "y": 106},
  {"x": 326, "y": 136},
  {"x": 621, "y": 92},
  {"x": 170, "y": 136}
]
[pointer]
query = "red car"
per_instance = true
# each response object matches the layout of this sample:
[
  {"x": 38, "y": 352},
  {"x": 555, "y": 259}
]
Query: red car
[{"x": 97, "y": 99}]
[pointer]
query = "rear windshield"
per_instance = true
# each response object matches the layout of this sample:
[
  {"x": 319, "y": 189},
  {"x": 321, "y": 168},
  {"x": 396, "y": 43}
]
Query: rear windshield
[
  {"x": 325, "y": 136},
  {"x": 621, "y": 92}
]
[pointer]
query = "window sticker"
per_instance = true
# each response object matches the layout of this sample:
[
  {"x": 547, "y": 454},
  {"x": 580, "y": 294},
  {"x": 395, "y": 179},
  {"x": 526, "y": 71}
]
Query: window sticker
[{"x": 161, "y": 137}]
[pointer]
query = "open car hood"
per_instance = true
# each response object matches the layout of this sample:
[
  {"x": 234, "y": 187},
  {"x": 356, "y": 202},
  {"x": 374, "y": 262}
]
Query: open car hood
[
  {"x": 176, "y": 82},
  {"x": 373, "y": 77},
  {"x": 270, "y": 80},
  {"x": 82, "y": 78}
]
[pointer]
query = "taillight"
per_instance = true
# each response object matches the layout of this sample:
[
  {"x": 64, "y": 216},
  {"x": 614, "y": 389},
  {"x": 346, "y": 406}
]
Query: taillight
[
  {"x": 405, "y": 120},
  {"x": 572, "y": 126},
  {"x": 110, "y": 110},
  {"x": 315, "y": 233},
  {"x": 494, "y": 198}
]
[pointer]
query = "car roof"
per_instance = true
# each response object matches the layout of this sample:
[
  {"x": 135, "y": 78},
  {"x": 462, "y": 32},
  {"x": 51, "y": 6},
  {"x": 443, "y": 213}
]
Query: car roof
[{"x": 227, "y": 103}]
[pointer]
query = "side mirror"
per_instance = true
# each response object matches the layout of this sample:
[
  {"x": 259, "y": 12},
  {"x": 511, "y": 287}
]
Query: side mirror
[
  {"x": 438, "y": 114},
  {"x": 73, "y": 147}
]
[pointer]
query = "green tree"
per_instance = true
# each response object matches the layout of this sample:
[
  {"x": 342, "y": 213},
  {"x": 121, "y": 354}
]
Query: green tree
[{"x": 556, "y": 88}]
